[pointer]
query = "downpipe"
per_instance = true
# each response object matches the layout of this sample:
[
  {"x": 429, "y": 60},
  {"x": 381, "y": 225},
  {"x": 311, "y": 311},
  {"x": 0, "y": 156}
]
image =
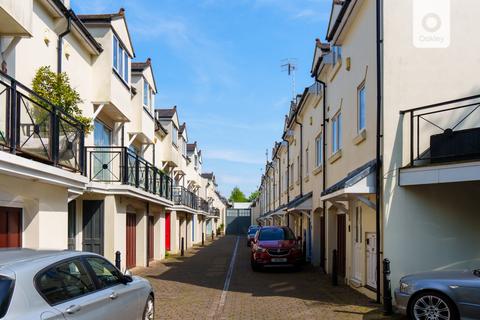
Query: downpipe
[
  {"x": 301, "y": 154},
  {"x": 60, "y": 42},
  {"x": 324, "y": 166}
]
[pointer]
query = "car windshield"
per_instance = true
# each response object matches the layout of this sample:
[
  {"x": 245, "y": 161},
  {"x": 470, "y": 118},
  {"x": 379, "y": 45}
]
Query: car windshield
[
  {"x": 276, "y": 234},
  {"x": 6, "y": 286}
]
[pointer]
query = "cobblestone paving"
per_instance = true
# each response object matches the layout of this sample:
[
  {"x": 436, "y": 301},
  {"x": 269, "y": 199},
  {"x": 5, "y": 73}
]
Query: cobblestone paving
[{"x": 190, "y": 288}]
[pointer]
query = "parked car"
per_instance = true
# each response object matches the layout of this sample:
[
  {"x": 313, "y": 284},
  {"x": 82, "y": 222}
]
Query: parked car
[
  {"x": 252, "y": 230},
  {"x": 440, "y": 295},
  {"x": 276, "y": 246},
  {"x": 69, "y": 285}
]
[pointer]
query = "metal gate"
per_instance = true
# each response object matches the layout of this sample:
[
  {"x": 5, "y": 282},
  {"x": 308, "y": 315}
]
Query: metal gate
[{"x": 238, "y": 221}]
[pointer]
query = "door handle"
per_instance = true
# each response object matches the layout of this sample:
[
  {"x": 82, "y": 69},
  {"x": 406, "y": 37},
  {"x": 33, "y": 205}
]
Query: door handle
[
  {"x": 73, "y": 309},
  {"x": 113, "y": 295}
]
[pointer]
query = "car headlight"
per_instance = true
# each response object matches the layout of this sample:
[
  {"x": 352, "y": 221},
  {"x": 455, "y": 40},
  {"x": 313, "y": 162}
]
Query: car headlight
[
  {"x": 260, "y": 250},
  {"x": 404, "y": 287}
]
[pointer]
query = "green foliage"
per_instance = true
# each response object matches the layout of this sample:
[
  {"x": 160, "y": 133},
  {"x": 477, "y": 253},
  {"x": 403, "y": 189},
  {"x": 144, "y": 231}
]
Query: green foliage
[
  {"x": 254, "y": 195},
  {"x": 237, "y": 196},
  {"x": 56, "y": 88}
]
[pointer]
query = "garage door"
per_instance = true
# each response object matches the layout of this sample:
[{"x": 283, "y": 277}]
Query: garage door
[
  {"x": 131, "y": 250},
  {"x": 238, "y": 221},
  {"x": 10, "y": 227}
]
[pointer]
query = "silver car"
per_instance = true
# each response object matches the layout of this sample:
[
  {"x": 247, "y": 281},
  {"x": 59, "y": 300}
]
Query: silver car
[
  {"x": 69, "y": 285},
  {"x": 440, "y": 295}
]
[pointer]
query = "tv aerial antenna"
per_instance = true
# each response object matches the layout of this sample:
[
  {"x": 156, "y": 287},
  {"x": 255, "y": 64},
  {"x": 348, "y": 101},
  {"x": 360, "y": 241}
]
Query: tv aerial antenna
[{"x": 290, "y": 66}]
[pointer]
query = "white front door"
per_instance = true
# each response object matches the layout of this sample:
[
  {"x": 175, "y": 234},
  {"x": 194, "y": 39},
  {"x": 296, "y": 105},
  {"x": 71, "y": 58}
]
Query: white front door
[
  {"x": 372, "y": 260},
  {"x": 357, "y": 246}
]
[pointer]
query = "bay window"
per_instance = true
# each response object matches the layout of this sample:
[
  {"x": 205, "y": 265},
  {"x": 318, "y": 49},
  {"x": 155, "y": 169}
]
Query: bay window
[
  {"x": 337, "y": 132},
  {"x": 121, "y": 60}
]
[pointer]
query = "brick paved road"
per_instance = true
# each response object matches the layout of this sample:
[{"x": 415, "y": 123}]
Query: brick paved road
[{"x": 191, "y": 288}]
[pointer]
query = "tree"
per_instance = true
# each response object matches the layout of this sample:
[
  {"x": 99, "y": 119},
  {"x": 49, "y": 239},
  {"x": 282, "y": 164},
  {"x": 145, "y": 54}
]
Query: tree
[
  {"x": 56, "y": 89},
  {"x": 237, "y": 196},
  {"x": 253, "y": 196}
]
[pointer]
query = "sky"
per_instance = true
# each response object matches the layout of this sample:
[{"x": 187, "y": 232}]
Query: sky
[{"x": 219, "y": 62}]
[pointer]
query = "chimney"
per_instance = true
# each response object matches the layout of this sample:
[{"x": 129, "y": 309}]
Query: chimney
[{"x": 121, "y": 12}]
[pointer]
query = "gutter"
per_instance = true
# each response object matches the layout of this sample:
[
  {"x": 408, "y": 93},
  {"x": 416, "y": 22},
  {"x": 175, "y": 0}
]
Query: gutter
[
  {"x": 60, "y": 42},
  {"x": 378, "y": 180}
]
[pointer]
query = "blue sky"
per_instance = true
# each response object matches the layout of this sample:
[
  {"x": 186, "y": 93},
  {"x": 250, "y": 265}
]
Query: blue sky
[{"x": 219, "y": 62}]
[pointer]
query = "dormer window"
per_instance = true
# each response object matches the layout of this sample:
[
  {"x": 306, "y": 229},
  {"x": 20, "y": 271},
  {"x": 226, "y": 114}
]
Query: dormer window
[
  {"x": 121, "y": 60},
  {"x": 174, "y": 136},
  {"x": 337, "y": 54},
  {"x": 147, "y": 96}
]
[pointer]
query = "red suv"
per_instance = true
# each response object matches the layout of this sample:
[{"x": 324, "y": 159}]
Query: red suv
[{"x": 276, "y": 246}]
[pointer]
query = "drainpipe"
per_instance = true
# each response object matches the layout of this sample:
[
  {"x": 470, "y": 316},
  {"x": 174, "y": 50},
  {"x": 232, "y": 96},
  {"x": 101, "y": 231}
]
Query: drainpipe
[
  {"x": 148, "y": 233},
  {"x": 60, "y": 42},
  {"x": 378, "y": 180},
  {"x": 301, "y": 154},
  {"x": 324, "y": 162}
]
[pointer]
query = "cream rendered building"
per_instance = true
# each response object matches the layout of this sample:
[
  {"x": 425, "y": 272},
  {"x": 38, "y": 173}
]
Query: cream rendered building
[
  {"x": 105, "y": 191},
  {"x": 398, "y": 183}
]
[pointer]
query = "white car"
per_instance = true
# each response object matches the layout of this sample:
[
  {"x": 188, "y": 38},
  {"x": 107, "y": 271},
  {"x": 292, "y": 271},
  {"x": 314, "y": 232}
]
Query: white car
[{"x": 69, "y": 285}]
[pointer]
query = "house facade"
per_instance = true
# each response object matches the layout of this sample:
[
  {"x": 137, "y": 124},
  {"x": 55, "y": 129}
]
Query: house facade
[
  {"x": 128, "y": 184},
  {"x": 388, "y": 147}
]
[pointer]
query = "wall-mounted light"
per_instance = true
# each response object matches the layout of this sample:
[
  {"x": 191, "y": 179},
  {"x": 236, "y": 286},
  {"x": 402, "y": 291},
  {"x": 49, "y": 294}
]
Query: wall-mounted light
[{"x": 348, "y": 63}]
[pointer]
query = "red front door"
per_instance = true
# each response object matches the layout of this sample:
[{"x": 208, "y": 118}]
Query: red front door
[
  {"x": 131, "y": 250},
  {"x": 10, "y": 227},
  {"x": 167, "y": 231}
]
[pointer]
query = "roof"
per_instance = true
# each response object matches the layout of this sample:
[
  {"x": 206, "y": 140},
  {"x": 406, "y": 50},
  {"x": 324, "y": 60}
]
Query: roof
[
  {"x": 191, "y": 146},
  {"x": 208, "y": 175},
  {"x": 160, "y": 127},
  {"x": 182, "y": 128},
  {"x": 75, "y": 19},
  {"x": 107, "y": 18},
  {"x": 11, "y": 257},
  {"x": 353, "y": 177},
  {"x": 166, "y": 113},
  {"x": 299, "y": 200},
  {"x": 141, "y": 66}
]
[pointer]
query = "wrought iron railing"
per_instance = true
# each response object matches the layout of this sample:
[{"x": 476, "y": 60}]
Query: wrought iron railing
[
  {"x": 182, "y": 196},
  {"x": 443, "y": 132},
  {"x": 33, "y": 127},
  {"x": 112, "y": 164},
  {"x": 214, "y": 211},
  {"x": 202, "y": 204}
]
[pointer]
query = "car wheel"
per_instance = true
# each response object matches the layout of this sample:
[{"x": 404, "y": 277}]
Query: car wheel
[
  {"x": 432, "y": 306},
  {"x": 149, "y": 311}
]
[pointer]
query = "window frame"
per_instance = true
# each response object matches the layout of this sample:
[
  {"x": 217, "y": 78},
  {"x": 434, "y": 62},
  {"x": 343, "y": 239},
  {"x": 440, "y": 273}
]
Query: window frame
[
  {"x": 361, "y": 108},
  {"x": 120, "y": 65},
  {"x": 337, "y": 132},
  {"x": 307, "y": 169},
  {"x": 319, "y": 150},
  {"x": 174, "y": 135},
  {"x": 63, "y": 261}
]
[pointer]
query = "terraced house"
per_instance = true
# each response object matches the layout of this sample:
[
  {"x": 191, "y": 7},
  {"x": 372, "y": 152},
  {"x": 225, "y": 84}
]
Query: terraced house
[
  {"x": 385, "y": 144},
  {"x": 131, "y": 183}
]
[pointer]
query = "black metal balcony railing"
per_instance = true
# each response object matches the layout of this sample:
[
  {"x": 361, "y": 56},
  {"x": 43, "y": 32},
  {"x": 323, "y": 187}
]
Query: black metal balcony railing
[
  {"x": 444, "y": 132},
  {"x": 202, "y": 204},
  {"x": 214, "y": 211},
  {"x": 32, "y": 127},
  {"x": 112, "y": 164},
  {"x": 182, "y": 196}
]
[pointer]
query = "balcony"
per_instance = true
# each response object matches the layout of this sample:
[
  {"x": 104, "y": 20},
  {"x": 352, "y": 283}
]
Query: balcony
[
  {"x": 34, "y": 128},
  {"x": 119, "y": 165},
  {"x": 202, "y": 204},
  {"x": 214, "y": 212},
  {"x": 443, "y": 142},
  {"x": 16, "y": 17},
  {"x": 184, "y": 197}
]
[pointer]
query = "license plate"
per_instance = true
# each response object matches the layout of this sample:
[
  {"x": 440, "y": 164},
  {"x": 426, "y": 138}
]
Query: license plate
[{"x": 279, "y": 259}]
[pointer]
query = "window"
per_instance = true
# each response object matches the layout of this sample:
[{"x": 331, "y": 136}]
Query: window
[
  {"x": 298, "y": 168},
  {"x": 147, "y": 96},
  {"x": 272, "y": 234},
  {"x": 361, "y": 108},
  {"x": 319, "y": 150},
  {"x": 6, "y": 291},
  {"x": 174, "y": 135},
  {"x": 307, "y": 169},
  {"x": 292, "y": 173},
  {"x": 121, "y": 60},
  {"x": 65, "y": 281},
  {"x": 337, "y": 54},
  {"x": 337, "y": 132},
  {"x": 105, "y": 272}
]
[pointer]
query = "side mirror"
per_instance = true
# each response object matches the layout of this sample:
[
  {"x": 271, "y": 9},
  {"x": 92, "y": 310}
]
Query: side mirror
[{"x": 127, "y": 277}]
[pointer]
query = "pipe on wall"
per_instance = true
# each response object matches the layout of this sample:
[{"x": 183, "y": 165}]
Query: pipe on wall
[
  {"x": 301, "y": 154},
  {"x": 60, "y": 43}
]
